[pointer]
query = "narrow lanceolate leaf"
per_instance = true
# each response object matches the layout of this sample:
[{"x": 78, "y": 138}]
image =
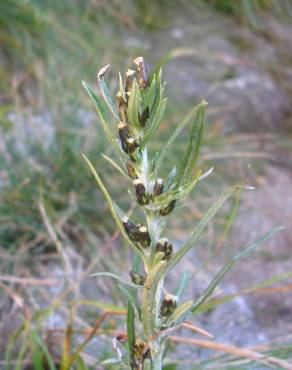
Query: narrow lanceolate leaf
[
  {"x": 208, "y": 216},
  {"x": 103, "y": 118},
  {"x": 182, "y": 285},
  {"x": 166, "y": 198},
  {"x": 121, "y": 87},
  {"x": 182, "y": 312},
  {"x": 105, "y": 91},
  {"x": 190, "y": 117},
  {"x": 149, "y": 100},
  {"x": 158, "y": 94},
  {"x": 115, "y": 165},
  {"x": 170, "y": 178},
  {"x": 133, "y": 107},
  {"x": 228, "y": 266},
  {"x": 116, "y": 277},
  {"x": 112, "y": 206},
  {"x": 154, "y": 123},
  {"x": 189, "y": 160}
]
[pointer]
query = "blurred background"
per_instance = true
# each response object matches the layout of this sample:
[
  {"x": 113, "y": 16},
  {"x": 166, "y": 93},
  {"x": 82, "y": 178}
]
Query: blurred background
[{"x": 54, "y": 225}]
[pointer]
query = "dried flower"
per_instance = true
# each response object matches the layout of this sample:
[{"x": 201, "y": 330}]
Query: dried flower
[
  {"x": 169, "y": 208},
  {"x": 168, "y": 305},
  {"x": 130, "y": 75},
  {"x": 158, "y": 187},
  {"x": 144, "y": 117},
  {"x": 145, "y": 239},
  {"x": 137, "y": 278},
  {"x": 131, "y": 170},
  {"x": 141, "y": 194},
  {"x": 164, "y": 245},
  {"x": 122, "y": 105},
  {"x": 131, "y": 229},
  {"x": 143, "y": 79},
  {"x": 129, "y": 144}
]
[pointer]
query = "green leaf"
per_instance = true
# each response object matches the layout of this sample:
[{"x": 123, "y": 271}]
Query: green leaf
[
  {"x": 179, "y": 314},
  {"x": 149, "y": 100},
  {"x": 158, "y": 94},
  {"x": 115, "y": 165},
  {"x": 154, "y": 123},
  {"x": 166, "y": 198},
  {"x": 133, "y": 107},
  {"x": 228, "y": 266},
  {"x": 182, "y": 284},
  {"x": 189, "y": 160},
  {"x": 105, "y": 91},
  {"x": 116, "y": 277},
  {"x": 112, "y": 206},
  {"x": 266, "y": 283},
  {"x": 121, "y": 87},
  {"x": 80, "y": 363},
  {"x": 103, "y": 118},
  {"x": 208, "y": 216},
  {"x": 40, "y": 349},
  {"x": 37, "y": 356},
  {"x": 170, "y": 178},
  {"x": 189, "y": 118}
]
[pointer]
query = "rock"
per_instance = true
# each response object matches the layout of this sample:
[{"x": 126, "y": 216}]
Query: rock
[{"x": 252, "y": 102}]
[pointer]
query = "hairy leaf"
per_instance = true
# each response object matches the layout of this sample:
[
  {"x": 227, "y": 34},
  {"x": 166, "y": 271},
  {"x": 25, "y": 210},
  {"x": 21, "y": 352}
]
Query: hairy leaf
[
  {"x": 105, "y": 91},
  {"x": 133, "y": 107},
  {"x": 167, "y": 197},
  {"x": 190, "y": 117},
  {"x": 112, "y": 206},
  {"x": 116, "y": 277},
  {"x": 103, "y": 118},
  {"x": 208, "y": 216},
  {"x": 189, "y": 160}
]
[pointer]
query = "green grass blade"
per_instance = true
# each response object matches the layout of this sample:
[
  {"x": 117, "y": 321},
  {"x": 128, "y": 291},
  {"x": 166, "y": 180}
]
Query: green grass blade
[
  {"x": 228, "y": 266},
  {"x": 36, "y": 353},
  {"x": 40, "y": 346},
  {"x": 80, "y": 364}
]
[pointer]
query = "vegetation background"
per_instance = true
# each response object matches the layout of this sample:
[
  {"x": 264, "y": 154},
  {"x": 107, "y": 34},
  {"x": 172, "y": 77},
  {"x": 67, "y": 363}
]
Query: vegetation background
[{"x": 54, "y": 226}]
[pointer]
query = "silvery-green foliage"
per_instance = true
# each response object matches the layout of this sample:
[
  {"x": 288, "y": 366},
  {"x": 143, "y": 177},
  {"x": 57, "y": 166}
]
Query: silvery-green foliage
[{"x": 138, "y": 114}]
